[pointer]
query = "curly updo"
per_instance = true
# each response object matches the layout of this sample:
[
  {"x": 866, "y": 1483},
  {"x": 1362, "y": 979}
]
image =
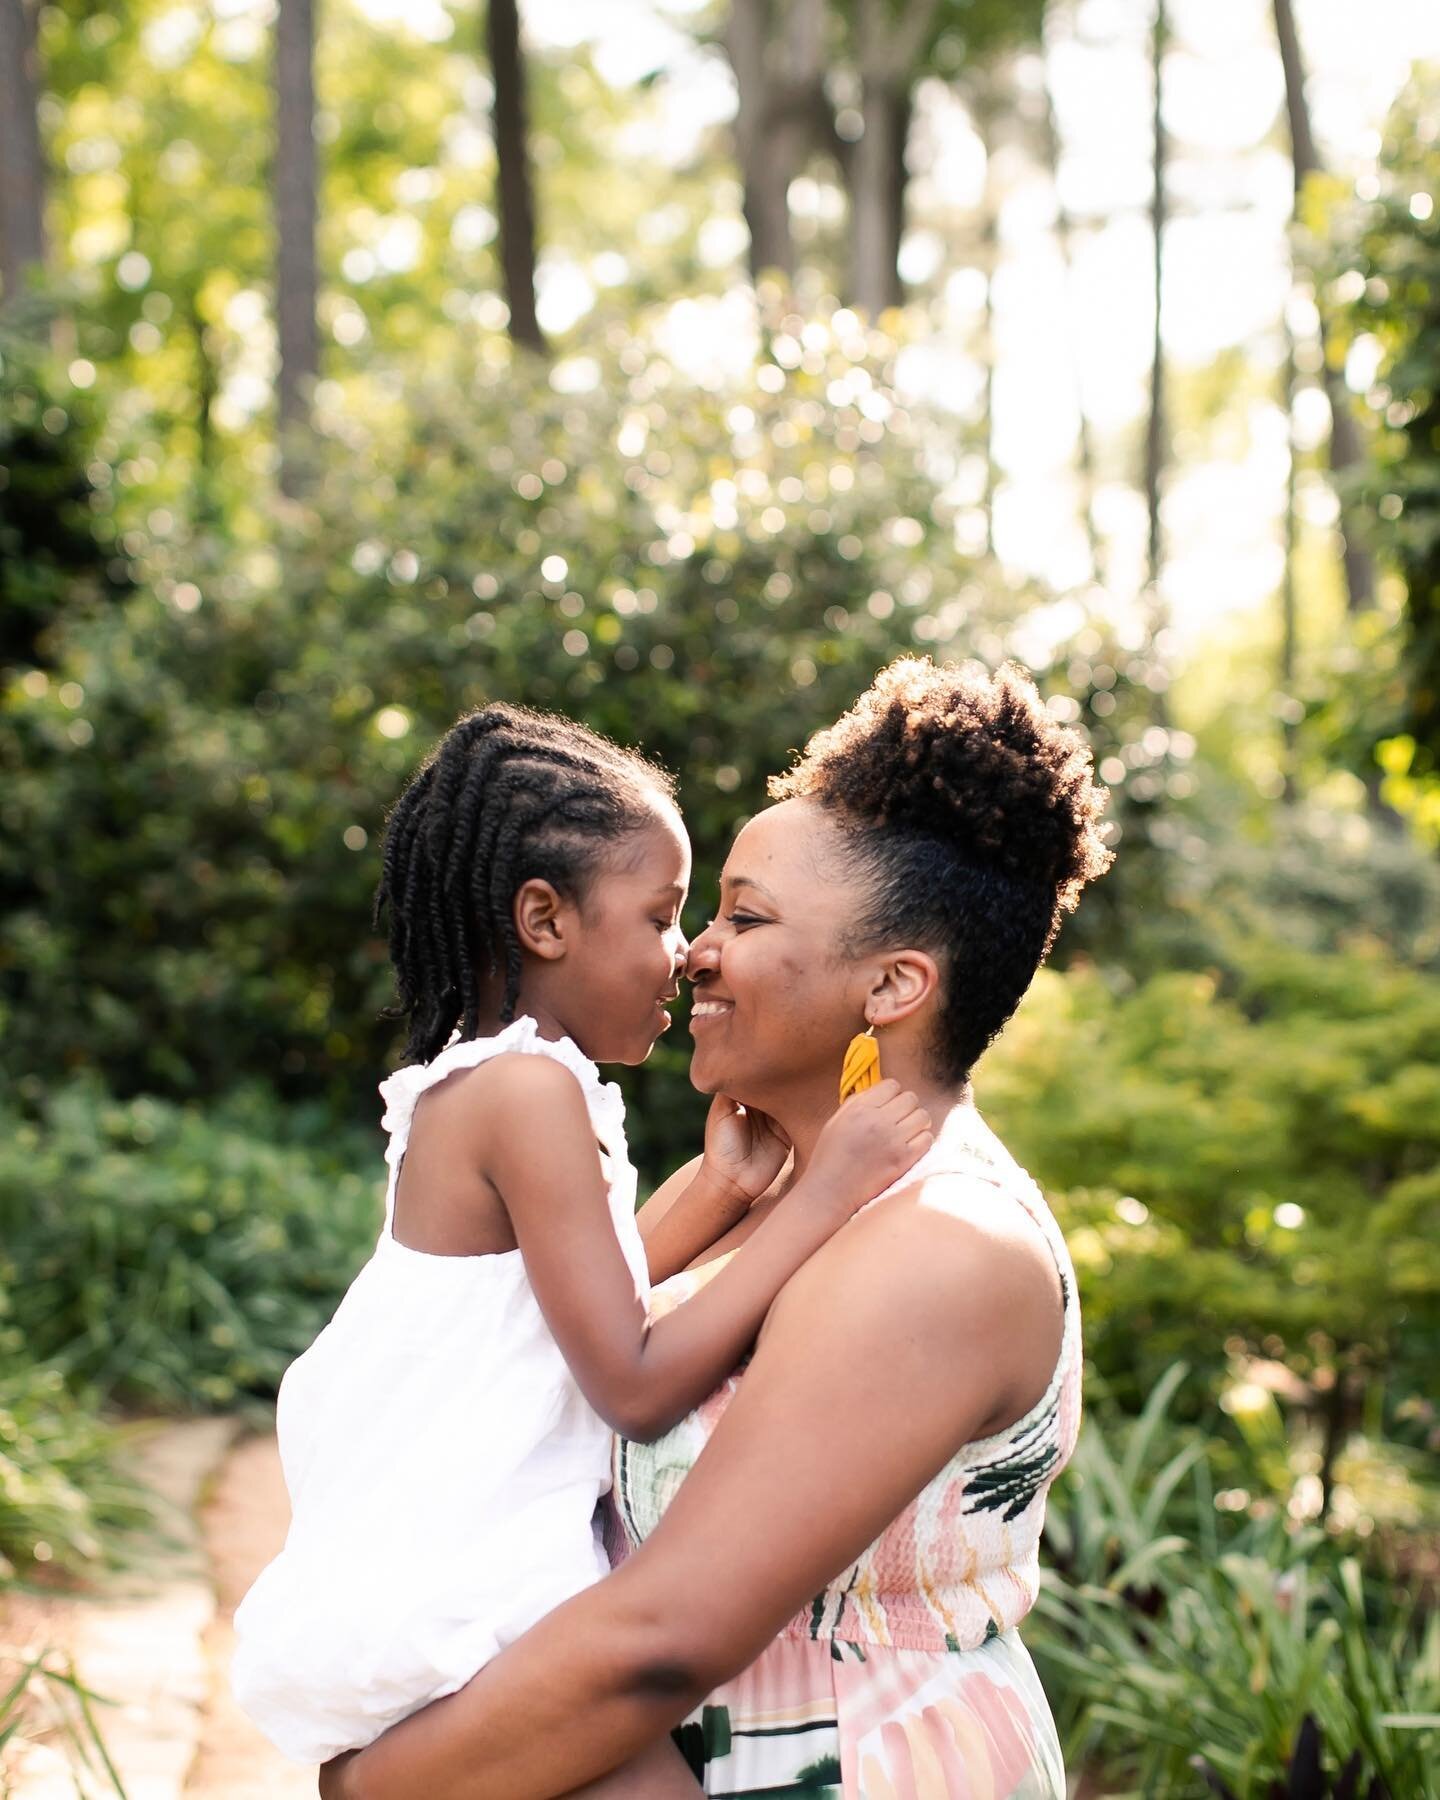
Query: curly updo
[{"x": 973, "y": 818}]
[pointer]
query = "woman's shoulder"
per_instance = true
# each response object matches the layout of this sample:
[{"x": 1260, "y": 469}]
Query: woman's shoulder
[
  {"x": 946, "y": 1232},
  {"x": 948, "y": 1256}
]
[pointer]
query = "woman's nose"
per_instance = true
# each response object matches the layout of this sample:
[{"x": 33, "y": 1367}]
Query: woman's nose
[{"x": 704, "y": 953}]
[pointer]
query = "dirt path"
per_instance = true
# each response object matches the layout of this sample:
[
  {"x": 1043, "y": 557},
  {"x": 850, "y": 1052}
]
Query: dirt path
[{"x": 243, "y": 1522}]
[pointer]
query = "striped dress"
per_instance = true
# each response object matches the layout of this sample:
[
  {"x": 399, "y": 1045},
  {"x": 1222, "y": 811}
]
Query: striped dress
[{"x": 905, "y": 1679}]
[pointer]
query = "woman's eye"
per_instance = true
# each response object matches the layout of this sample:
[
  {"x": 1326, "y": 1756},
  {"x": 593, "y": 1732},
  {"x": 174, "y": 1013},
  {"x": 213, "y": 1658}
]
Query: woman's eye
[{"x": 741, "y": 920}]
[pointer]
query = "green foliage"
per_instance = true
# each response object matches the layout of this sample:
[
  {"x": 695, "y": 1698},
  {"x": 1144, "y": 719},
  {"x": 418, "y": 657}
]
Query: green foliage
[
  {"x": 1186, "y": 1640},
  {"x": 1237, "y": 1654},
  {"x": 41, "y": 1699},
  {"x": 176, "y": 1256},
  {"x": 1250, "y": 1160},
  {"x": 67, "y": 1504},
  {"x": 192, "y": 807},
  {"x": 192, "y": 802},
  {"x": 1384, "y": 263},
  {"x": 54, "y": 560}
]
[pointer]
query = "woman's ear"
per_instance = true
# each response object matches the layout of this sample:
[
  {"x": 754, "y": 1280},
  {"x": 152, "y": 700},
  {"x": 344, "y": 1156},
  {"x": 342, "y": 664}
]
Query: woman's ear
[
  {"x": 906, "y": 981},
  {"x": 541, "y": 920}
]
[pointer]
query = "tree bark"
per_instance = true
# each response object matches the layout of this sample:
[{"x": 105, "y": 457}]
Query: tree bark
[
  {"x": 1345, "y": 448},
  {"x": 1065, "y": 237},
  {"x": 512, "y": 156},
  {"x": 22, "y": 167},
  {"x": 888, "y": 50},
  {"x": 877, "y": 198},
  {"x": 984, "y": 112},
  {"x": 1155, "y": 425},
  {"x": 782, "y": 116},
  {"x": 295, "y": 213},
  {"x": 1289, "y": 624},
  {"x": 207, "y": 388}
]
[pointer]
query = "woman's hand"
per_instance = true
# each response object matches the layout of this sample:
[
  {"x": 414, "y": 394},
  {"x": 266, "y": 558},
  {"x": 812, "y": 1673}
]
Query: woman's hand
[{"x": 744, "y": 1149}]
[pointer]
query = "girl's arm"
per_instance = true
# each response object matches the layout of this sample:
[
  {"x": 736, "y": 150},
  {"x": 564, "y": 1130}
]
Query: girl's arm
[
  {"x": 913, "y": 1332},
  {"x": 639, "y": 1377}
]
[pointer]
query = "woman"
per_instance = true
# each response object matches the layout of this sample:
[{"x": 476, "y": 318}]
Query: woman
[{"x": 831, "y": 1555}]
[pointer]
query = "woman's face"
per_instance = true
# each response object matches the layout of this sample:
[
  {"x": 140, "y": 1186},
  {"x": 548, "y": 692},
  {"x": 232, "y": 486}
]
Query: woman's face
[{"x": 776, "y": 998}]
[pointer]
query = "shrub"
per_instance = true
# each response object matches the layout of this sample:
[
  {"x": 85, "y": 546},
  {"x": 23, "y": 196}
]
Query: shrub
[
  {"x": 67, "y": 1502},
  {"x": 191, "y": 795},
  {"x": 177, "y": 1255},
  {"x": 1185, "y": 1641},
  {"x": 1246, "y": 1162}
]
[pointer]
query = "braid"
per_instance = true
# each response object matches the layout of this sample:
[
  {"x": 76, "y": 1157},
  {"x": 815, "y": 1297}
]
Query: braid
[{"x": 507, "y": 796}]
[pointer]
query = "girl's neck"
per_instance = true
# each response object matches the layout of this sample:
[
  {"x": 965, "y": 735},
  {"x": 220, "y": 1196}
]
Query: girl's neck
[{"x": 527, "y": 1005}]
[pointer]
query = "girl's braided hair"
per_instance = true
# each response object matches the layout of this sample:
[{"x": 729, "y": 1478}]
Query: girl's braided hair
[
  {"x": 507, "y": 796},
  {"x": 975, "y": 819}
]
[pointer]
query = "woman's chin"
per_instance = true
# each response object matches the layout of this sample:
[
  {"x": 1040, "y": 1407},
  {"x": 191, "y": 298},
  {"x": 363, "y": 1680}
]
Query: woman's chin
[{"x": 706, "y": 1076}]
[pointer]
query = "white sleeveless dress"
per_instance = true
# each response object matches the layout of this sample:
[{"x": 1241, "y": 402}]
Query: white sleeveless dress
[{"x": 443, "y": 1466}]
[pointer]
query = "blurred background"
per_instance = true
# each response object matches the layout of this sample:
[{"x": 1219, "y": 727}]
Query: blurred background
[{"x": 676, "y": 365}]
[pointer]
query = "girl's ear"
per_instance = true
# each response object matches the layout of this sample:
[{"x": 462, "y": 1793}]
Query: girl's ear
[
  {"x": 905, "y": 981},
  {"x": 542, "y": 920}
]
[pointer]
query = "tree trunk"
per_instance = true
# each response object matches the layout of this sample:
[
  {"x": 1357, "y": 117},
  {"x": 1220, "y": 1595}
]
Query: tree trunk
[
  {"x": 22, "y": 168},
  {"x": 782, "y": 116},
  {"x": 512, "y": 156},
  {"x": 295, "y": 209},
  {"x": 877, "y": 198},
  {"x": 207, "y": 388},
  {"x": 889, "y": 43},
  {"x": 983, "y": 113},
  {"x": 1155, "y": 426},
  {"x": 765, "y": 167},
  {"x": 1289, "y": 725},
  {"x": 1345, "y": 450},
  {"x": 1065, "y": 236}
]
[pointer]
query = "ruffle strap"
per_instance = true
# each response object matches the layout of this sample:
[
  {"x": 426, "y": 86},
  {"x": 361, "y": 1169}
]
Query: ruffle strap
[{"x": 402, "y": 1090}]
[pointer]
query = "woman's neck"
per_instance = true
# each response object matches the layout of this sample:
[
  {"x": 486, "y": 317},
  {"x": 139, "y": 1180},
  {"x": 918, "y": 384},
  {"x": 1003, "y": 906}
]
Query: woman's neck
[{"x": 804, "y": 1115}]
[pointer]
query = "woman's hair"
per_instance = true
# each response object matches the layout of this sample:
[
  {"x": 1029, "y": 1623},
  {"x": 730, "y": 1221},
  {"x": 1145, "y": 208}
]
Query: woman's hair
[
  {"x": 973, "y": 817},
  {"x": 507, "y": 796}
]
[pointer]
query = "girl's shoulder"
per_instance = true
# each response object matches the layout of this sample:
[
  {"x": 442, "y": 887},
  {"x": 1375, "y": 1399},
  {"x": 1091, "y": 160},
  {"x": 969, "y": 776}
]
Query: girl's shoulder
[{"x": 529, "y": 1065}]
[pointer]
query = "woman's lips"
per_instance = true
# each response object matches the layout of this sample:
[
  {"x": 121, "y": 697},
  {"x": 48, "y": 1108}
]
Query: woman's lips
[{"x": 707, "y": 1012}]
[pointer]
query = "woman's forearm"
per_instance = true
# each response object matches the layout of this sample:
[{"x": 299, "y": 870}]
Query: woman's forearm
[
  {"x": 689, "y": 1224},
  {"x": 577, "y": 1696}
]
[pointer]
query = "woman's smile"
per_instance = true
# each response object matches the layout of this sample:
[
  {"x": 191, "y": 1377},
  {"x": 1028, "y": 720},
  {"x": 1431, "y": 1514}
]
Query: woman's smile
[{"x": 704, "y": 1012}]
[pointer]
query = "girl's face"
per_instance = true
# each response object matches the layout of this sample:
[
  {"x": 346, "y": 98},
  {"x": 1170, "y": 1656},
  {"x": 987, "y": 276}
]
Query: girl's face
[
  {"x": 777, "y": 998},
  {"x": 628, "y": 952}
]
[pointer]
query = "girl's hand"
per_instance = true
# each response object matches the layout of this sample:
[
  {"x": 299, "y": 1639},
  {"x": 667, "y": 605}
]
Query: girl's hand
[
  {"x": 744, "y": 1149},
  {"x": 875, "y": 1138}
]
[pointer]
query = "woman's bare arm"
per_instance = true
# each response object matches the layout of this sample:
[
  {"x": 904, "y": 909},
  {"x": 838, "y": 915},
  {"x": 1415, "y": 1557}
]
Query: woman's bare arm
[
  {"x": 700, "y": 1203},
  {"x": 913, "y": 1332},
  {"x": 685, "y": 1216}
]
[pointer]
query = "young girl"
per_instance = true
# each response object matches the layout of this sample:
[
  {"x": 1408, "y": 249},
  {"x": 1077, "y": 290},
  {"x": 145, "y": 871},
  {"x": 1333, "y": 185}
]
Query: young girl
[{"x": 446, "y": 1438}]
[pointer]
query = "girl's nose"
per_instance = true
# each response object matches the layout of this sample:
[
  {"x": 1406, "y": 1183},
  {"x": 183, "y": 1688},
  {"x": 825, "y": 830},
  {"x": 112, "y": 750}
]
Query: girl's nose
[{"x": 682, "y": 955}]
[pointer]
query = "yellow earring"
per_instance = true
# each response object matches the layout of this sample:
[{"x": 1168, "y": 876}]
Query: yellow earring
[{"x": 862, "y": 1065}]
